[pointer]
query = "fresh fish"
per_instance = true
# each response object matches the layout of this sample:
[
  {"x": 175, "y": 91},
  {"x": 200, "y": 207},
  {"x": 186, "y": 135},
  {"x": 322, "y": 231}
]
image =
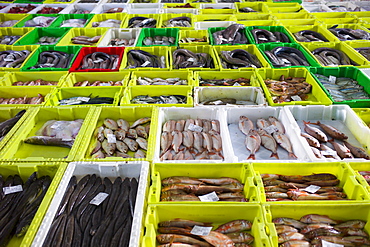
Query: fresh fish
[
  {"x": 262, "y": 123},
  {"x": 166, "y": 141},
  {"x": 123, "y": 124},
  {"x": 275, "y": 122},
  {"x": 218, "y": 239},
  {"x": 245, "y": 125},
  {"x": 331, "y": 131},
  {"x": 356, "y": 151},
  {"x": 315, "y": 132},
  {"x": 170, "y": 238},
  {"x": 142, "y": 143},
  {"x": 177, "y": 140},
  {"x": 268, "y": 142},
  {"x": 312, "y": 141},
  {"x": 317, "y": 218},
  {"x": 49, "y": 141},
  {"x": 140, "y": 121},
  {"x": 253, "y": 143},
  {"x": 341, "y": 150},
  {"x": 7, "y": 125},
  {"x": 284, "y": 142},
  {"x": 132, "y": 144},
  {"x": 287, "y": 236},
  {"x": 121, "y": 147},
  {"x": 111, "y": 124},
  {"x": 288, "y": 221},
  {"x": 120, "y": 134},
  {"x": 284, "y": 228},
  {"x": 140, "y": 130}
]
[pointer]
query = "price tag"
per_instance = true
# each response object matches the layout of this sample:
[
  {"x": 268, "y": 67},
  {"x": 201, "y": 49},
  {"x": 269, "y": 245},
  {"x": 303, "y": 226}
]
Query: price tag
[
  {"x": 312, "y": 188},
  {"x": 194, "y": 127},
  {"x": 218, "y": 102},
  {"x": 111, "y": 138},
  {"x": 190, "y": 59},
  {"x": 328, "y": 152},
  {"x": 328, "y": 244},
  {"x": 236, "y": 84},
  {"x": 271, "y": 129},
  {"x": 145, "y": 64},
  {"x": 12, "y": 189},
  {"x": 210, "y": 197},
  {"x": 201, "y": 230},
  {"x": 296, "y": 98},
  {"x": 99, "y": 198},
  {"x": 84, "y": 99},
  {"x": 332, "y": 79},
  {"x": 105, "y": 84}
]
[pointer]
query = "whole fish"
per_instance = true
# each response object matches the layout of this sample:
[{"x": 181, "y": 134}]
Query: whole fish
[
  {"x": 357, "y": 151},
  {"x": 49, "y": 141},
  {"x": 142, "y": 143},
  {"x": 234, "y": 226},
  {"x": 109, "y": 148},
  {"x": 218, "y": 239},
  {"x": 166, "y": 141},
  {"x": 332, "y": 239},
  {"x": 169, "y": 238},
  {"x": 352, "y": 224},
  {"x": 328, "y": 152},
  {"x": 341, "y": 150},
  {"x": 7, "y": 125},
  {"x": 284, "y": 228},
  {"x": 241, "y": 237},
  {"x": 287, "y": 236},
  {"x": 284, "y": 142},
  {"x": 253, "y": 143},
  {"x": 314, "y": 226},
  {"x": 140, "y": 121},
  {"x": 331, "y": 131},
  {"x": 245, "y": 125},
  {"x": 317, "y": 218},
  {"x": 312, "y": 141},
  {"x": 262, "y": 123},
  {"x": 268, "y": 142},
  {"x": 123, "y": 124},
  {"x": 140, "y": 130},
  {"x": 177, "y": 140},
  {"x": 111, "y": 124},
  {"x": 183, "y": 223},
  {"x": 274, "y": 121},
  {"x": 315, "y": 132},
  {"x": 288, "y": 221},
  {"x": 296, "y": 243}
]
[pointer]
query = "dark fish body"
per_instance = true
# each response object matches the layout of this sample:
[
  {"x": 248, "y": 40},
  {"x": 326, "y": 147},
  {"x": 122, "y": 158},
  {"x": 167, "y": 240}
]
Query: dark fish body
[
  {"x": 7, "y": 125},
  {"x": 49, "y": 141}
]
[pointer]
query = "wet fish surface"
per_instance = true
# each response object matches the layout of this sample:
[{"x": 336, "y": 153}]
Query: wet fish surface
[
  {"x": 234, "y": 34},
  {"x": 183, "y": 58},
  {"x": 140, "y": 58},
  {"x": 100, "y": 60},
  {"x": 53, "y": 59},
  {"x": 224, "y": 82},
  {"x": 310, "y": 36},
  {"x": 239, "y": 58},
  {"x": 163, "y": 99},
  {"x": 160, "y": 81},
  {"x": 286, "y": 56},
  {"x": 107, "y": 23},
  {"x": 265, "y": 36},
  {"x": 332, "y": 57},
  {"x": 23, "y": 100},
  {"x": 159, "y": 40},
  {"x": 13, "y": 59}
]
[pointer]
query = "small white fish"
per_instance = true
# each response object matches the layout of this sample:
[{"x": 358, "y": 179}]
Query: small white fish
[
  {"x": 253, "y": 143},
  {"x": 245, "y": 125},
  {"x": 268, "y": 142},
  {"x": 274, "y": 121},
  {"x": 284, "y": 142}
]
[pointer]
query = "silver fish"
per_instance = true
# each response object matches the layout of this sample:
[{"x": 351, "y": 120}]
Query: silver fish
[
  {"x": 312, "y": 141},
  {"x": 132, "y": 144},
  {"x": 180, "y": 125},
  {"x": 140, "y": 154},
  {"x": 108, "y": 132},
  {"x": 284, "y": 142},
  {"x": 140, "y": 122},
  {"x": 96, "y": 147},
  {"x": 356, "y": 151},
  {"x": 140, "y": 130},
  {"x": 245, "y": 125},
  {"x": 109, "y": 148},
  {"x": 123, "y": 155},
  {"x": 274, "y": 121},
  {"x": 188, "y": 139},
  {"x": 121, "y": 146},
  {"x": 341, "y": 150},
  {"x": 123, "y": 124},
  {"x": 100, "y": 133},
  {"x": 198, "y": 141},
  {"x": 315, "y": 132},
  {"x": 268, "y": 142},
  {"x": 207, "y": 141},
  {"x": 262, "y": 123},
  {"x": 166, "y": 141},
  {"x": 131, "y": 134},
  {"x": 120, "y": 134},
  {"x": 177, "y": 140},
  {"x": 111, "y": 124},
  {"x": 253, "y": 143},
  {"x": 142, "y": 143},
  {"x": 98, "y": 155},
  {"x": 169, "y": 126}
]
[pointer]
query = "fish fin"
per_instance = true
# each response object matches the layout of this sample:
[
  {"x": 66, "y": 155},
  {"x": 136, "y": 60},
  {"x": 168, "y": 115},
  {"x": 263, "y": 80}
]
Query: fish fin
[
  {"x": 274, "y": 155},
  {"x": 306, "y": 122},
  {"x": 252, "y": 156},
  {"x": 331, "y": 140},
  {"x": 292, "y": 155}
]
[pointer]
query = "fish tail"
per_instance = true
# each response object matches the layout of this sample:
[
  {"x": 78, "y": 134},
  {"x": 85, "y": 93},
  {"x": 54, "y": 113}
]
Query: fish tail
[
  {"x": 292, "y": 155},
  {"x": 318, "y": 123},
  {"x": 331, "y": 140},
  {"x": 274, "y": 155},
  {"x": 306, "y": 122},
  {"x": 252, "y": 156}
]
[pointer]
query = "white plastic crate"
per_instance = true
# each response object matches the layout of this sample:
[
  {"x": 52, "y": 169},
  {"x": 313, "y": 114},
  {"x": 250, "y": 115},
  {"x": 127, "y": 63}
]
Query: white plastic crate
[
  {"x": 133, "y": 169},
  {"x": 312, "y": 8},
  {"x": 179, "y": 11},
  {"x": 7, "y": 7},
  {"x": 23, "y": 5},
  {"x": 217, "y": 5},
  {"x": 143, "y": 11},
  {"x": 102, "y": 8},
  {"x": 144, "y": 5},
  {"x": 341, "y": 117},
  {"x": 119, "y": 33},
  {"x": 79, "y": 6},
  {"x": 201, "y": 25},
  {"x": 34, "y": 11},
  {"x": 177, "y": 113},
  {"x": 253, "y": 94},
  {"x": 351, "y": 6},
  {"x": 263, "y": 155}
]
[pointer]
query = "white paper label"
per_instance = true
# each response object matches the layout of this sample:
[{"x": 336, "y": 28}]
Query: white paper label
[
  {"x": 332, "y": 79},
  {"x": 236, "y": 84},
  {"x": 201, "y": 230},
  {"x": 85, "y": 99},
  {"x": 296, "y": 98},
  {"x": 105, "y": 84},
  {"x": 328, "y": 152},
  {"x": 312, "y": 188},
  {"x": 111, "y": 138},
  {"x": 285, "y": 60},
  {"x": 210, "y": 197},
  {"x": 218, "y": 102},
  {"x": 194, "y": 127},
  {"x": 99, "y": 198},
  {"x": 328, "y": 244},
  {"x": 145, "y": 63},
  {"x": 271, "y": 129},
  {"x": 190, "y": 59},
  {"x": 12, "y": 189}
]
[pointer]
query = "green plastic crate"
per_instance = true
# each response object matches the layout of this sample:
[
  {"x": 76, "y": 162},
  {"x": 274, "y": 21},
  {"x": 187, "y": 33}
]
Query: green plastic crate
[
  {"x": 17, "y": 150},
  {"x": 355, "y": 192},
  {"x": 252, "y": 49},
  {"x": 59, "y": 21},
  {"x": 251, "y": 74},
  {"x": 34, "y": 58},
  {"x": 32, "y": 38},
  {"x": 349, "y": 72},
  {"x": 22, "y": 22},
  {"x": 268, "y": 47},
  {"x": 316, "y": 97},
  {"x": 349, "y": 51},
  {"x": 183, "y": 75},
  {"x": 31, "y": 48},
  {"x": 92, "y": 92},
  {"x": 131, "y": 92},
  {"x": 212, "y": 30},
  {"x": 241, "y": 172},
  {"x": 130, "y": 114},
  {"x": 197, "y": 49},
  {"x": 217, "y": 214},
  {"x": 75, "y": 77},
  {"x": 154, "y": 50},
  {"x": 316, "y": 28},
  {"x": 13, "y": 77},
  {"x": 29, "y": 2},
  {"x": 152, "y": 32},
  {"x": 271, "y": 29},
  {"x": 24, "y": 170},
  {"x": 339, "y": 211},
  {"x": 15, "y": 32}
]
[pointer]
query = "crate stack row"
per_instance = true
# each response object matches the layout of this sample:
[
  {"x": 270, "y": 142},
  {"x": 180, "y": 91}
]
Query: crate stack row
[{"x": 156, "y": 152}]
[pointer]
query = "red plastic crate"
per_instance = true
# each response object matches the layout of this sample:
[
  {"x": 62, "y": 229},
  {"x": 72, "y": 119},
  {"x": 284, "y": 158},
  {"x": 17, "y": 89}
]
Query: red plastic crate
[{"x": 88, "y": 50}]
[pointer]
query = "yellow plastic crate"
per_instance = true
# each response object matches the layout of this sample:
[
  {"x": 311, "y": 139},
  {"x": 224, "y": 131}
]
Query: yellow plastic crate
[
  {"x": 338, "y": 211},
  {"x": 131, "y": 92},
  {"x": 197, "y": 49},
  {"x": 292, "y": 16},
  {"x": 15, "y": 32},
  {"x": 349, "y": 51},
  {"x": 351, "y": 26},
  {"x": 9, "y": 17},
  {"x": 24, "y": 170},
  {"x": 92, "y": 92},
  {"x": 198, "y": 75},
  {"x": 75, "y": 77},
  {"x": 364, "y": 114},
  {"x": 157, "y": 17},
  {"x": 31, "y": 48},
  {"x": 89, "y": 32},
  {"x": 217, "y": 8},
  {"x": 154, "y": 50},
  {"x": 217, "y": 214},
  {"x": 316, "y": 28},
  {"x": 316, "y": 97},
  {"x": 254, "y": 17},
  {"x": 259, "y": 23},
  {"x": 13, "y": 77},
  {"x": 183, "y": 75},
  {"x": 296, "y": 9},
  {"x": 233, "y": 170},
  {"x": 214, "y": 17},
  {"x": 359, "y": 44},
  {"x": 336, "y": 21},
  {"x": 259, "y": 7},
  {"x": 252, "y": 49},
  {"x": 358, "y": 167},
  {"x": 300, "y": 22},
  {"x": 199, "y": 34},
  {"x": 282, "y": 4},
  {"x": 332, "y": 15},
  {"x": 174, "y": 5},
  {"x": 103, "y": 17},
  {"x": 166, "y": 17},
  {"x": 130, "y": 114},
  {"x": 56, "y": 2},
  {"x": 355, "y": 192},
  {"x": 17, "y": 150},
  {"x": 12, "y": 92}
]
